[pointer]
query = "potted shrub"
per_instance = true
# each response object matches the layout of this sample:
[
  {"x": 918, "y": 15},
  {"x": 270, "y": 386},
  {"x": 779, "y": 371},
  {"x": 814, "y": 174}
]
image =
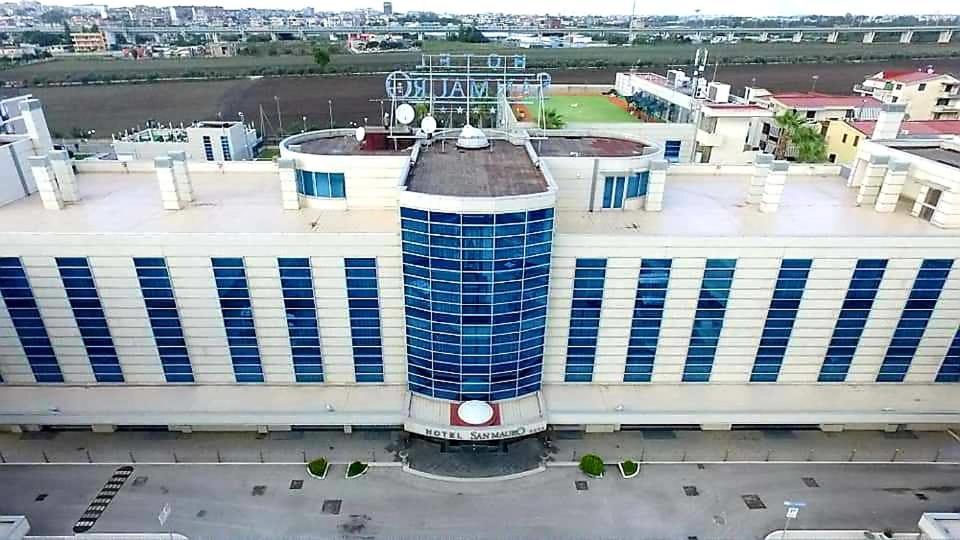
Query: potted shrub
[
  {"x": 357, "y": 469},
  {"x": 317, "y": 468},
  {"x": 628, "y": 468},
  {"x": 592, "y": 465}
]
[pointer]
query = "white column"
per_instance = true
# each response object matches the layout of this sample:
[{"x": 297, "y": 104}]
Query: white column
[
  {"x": 945, "y": 36},
  {"x": 653, "y": 202},
  {"x": 906, "y": 37},
  {"x": 182, "y": 176},
  {"x": 872, "y": 180},
  {"x": 773, "y": 187},
  {"x": 46, "y": 183},
  {"x": 947, "y": 214},
  {"x": 868, "y": 37},
  {"x": 36, "y": 124},
  {"x": 797, "y": 37},
  {"x": 761, "y": 169},
  {"x": 168, "y": 184},
  {"x": 892, "y": 186},
  {"x": 857, "y": 172},
  {"x": 833, "y": 37},
  {"x": 63, "y": 170},
  {"x": 288, "y": 184}
]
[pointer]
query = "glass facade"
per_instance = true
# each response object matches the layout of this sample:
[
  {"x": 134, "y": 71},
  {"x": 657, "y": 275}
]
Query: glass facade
[
  {"x": 321, "y": 184},
  {"x": 588, "y": 280},
  {"x": 475, "y": 292},
  {"x": 647, "y": 318},
  {"x": 296, "y": 281},
  {"x": 231, "y": 279},
  {"x": 363, "y": 297},
  {"x": 161, "y": 304},
  {"x": 91, "y": 320},
  {"x": 950, "y": 368},
  {"x": 711, "y": 309},
  {"x": 791, "y": 281},
  {"x": 853, "y": 317},
  {"x": 617, "y": 189},
  {"x": 208, "y": 148},
  {"x": 225, "y": 148},
  {"x": 913, "y": 321},
  {"x": 25, "y": 315}
]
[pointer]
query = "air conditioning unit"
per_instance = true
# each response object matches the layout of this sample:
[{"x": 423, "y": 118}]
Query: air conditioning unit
[{"x": 718, "y": 92}]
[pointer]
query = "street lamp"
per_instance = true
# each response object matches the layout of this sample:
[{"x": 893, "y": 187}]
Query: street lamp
[
  {"x": 813, "y": 87},
  {"x": 279, "y": 116},
  {"x": 304, "y": 125}
]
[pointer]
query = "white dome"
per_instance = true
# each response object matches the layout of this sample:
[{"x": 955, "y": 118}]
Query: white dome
[
  {"x": 472, "y": 138},
  {"x": 475, "y": 412}
]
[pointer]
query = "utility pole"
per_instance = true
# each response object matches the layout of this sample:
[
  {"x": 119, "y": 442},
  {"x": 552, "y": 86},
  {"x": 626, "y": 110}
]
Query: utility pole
[{"x": 279, "y": 116}]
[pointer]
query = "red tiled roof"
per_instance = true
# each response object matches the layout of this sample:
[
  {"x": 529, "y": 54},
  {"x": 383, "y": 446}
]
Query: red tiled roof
[
  {"x": 913, "y": 127},
  {"x": 906, "y": 76},
  {"x": 817, "y": 100}
]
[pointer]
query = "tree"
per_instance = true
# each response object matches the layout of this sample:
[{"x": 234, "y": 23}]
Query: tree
[
  {"x": 811, "y": 147},
  {"x": 552, "y": 119},
  {"x": 321, "y": 56},
  {"x": 788, "y": 122}
]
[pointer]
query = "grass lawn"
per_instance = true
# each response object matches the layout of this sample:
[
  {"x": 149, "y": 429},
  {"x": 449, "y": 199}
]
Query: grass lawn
[{"x": 575, "y": 109}]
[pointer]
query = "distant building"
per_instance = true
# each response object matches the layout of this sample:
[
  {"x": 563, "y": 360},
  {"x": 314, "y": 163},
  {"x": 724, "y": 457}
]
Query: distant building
[
  {"x": 928, "y": 95},
  {"x": 223, "y": 49},
  {"x": 844, "y": 136},
  {"x": 203, "y": 141},
  {"x": 816, "y": 107},
  {"x": 88, "y": 42},
  {"x": 388, "y": 8}
]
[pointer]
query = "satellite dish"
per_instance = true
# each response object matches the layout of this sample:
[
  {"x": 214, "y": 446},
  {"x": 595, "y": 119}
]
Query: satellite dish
[
  {"x": 428, "y": 125},
  {"x": 360, "y": 133},
  {"x": 405, "y": 114}
]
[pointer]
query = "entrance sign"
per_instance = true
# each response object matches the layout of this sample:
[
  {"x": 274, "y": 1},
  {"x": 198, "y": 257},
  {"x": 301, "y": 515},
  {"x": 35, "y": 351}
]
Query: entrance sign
[
  {"x": 475, "y": 434},
  {"x": 447, "y": 78}
]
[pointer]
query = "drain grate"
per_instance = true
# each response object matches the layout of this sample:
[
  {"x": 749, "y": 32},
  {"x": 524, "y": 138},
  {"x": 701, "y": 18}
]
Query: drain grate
[
  {"x": 658, "y": 434},
  {"x": 296, "y": 484},
  {"x": 810, "y": 481},
  {"x": 581, "y": 485},
  {"x": 921, "y": 496},
  {"x": 701, "y": 466},
  {"x": 331, "y": 506},
  {"x": 779, "y": 434},
  {"x": 103, "y": 499},
  {"x": 201, "y": 513},
  {"x": 691, "y": 491},
  {"x": 753, "y": 502},
  {"x": 40, "y": 497},
  {"x": 140, "y": 480},
  {"x": 258, "y": 491}
]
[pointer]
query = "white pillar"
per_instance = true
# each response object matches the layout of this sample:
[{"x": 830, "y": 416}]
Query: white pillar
[
  {"x": 797, "y": 37},
  {"x": 773, "y": 187},
  {"x": 36, "y": 124},
  {"x": 833, "y": 37},
  {"x": 868, "y": 37},
  {"x": 872, "y": 180},
  {"x": 169, "y": 192},
  {"x": 63, "y": 170},
  {"x": 46, "y": 183},
  {"x": 906, "y": 37},
  {"x": 288, "y": 184},
  {"x": 945, "y": 36},
  {"x": 656, "y": 185},
  {"x": 856, "y": 172},
  {"x": 947, "y": 214},
  {"x": 892, "y": 186},
  {"x": 182, "y": 176},
  {"x": 761, "y": 168}
]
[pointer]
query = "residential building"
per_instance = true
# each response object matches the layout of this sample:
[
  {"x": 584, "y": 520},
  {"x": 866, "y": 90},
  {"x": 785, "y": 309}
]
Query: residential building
[
  {"x": 928, "y": 95},
  {"x": 729, "y": 132},
  {"x": 844, "y": 136},
  {"x": 88, "y": 42},
  {"x": 815, "y": 107},
  {"x": 213, "y": 140}
]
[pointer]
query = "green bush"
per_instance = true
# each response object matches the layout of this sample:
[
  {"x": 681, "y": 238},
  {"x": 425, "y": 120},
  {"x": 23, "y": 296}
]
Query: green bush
[
  {"x": 356, "y": 469},
  {"x": 629, "y": 467},
  {"x": 592, "y": 465},
  {"x": 317, "y": 467}
]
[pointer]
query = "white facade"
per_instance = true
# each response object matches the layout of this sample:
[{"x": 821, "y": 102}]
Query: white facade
[
  {"x": 203, "y": 141},
  {"x": 927, "y": 95}
]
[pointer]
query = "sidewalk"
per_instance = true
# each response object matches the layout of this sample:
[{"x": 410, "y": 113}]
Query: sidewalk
[{"x": 383, "y": 446}]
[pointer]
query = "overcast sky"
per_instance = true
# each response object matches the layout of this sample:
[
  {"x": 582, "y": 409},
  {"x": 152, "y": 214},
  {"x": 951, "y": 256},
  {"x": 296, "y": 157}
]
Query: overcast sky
[{"x": 582, "y": 7}]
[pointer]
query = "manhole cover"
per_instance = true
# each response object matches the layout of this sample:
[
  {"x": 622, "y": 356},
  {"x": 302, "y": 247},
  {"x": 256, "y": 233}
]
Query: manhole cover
[
  {"x": 201, "y": 513},
  {"x": 296, "y": 484},
  {"x": 581, "y": 485},
  {"x": 701, "y": 466},
  {"x": 719, "y": 520},
  {"x": 331, "y": 506},
  {"x": 258, "y": 490},
  {"x": 692, "y": 538},
  {"x": 41, "y": 497},
  {"x": 753, "y": 502},
  {"x": 140, "y": 480},
  {"x": 691, "y": 491},
  {"x": 921, "y": 496},
  {"x": 810, "y": 481}
]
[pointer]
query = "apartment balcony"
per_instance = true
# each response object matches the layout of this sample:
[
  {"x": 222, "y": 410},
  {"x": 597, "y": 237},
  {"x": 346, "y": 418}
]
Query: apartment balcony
[{"x": 705, "y": 138}]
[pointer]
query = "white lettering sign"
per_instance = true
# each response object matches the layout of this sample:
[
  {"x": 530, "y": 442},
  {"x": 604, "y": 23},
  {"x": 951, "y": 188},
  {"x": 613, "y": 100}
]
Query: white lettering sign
[{"x": 474, "y": 434}]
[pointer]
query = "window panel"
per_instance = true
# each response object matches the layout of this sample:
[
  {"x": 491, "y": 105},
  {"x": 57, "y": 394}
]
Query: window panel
[
  {"x": 708, "y": 321},
  {"x": 238, "y": 320},
  {"x": 91, "y": 320},
  {"x": 850, "y": 322}
]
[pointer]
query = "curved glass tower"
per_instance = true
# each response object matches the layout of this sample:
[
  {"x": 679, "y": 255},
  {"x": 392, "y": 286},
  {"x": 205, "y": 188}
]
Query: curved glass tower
[{"x": 475, "y": 288}]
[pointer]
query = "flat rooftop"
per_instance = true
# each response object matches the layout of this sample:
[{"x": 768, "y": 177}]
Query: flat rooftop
[
  {"x": 935, "y": 153},
  {"x": 588, "y": 147},
  {"x": 503, "y": 170},
  {"x": 375, "y": 143}
]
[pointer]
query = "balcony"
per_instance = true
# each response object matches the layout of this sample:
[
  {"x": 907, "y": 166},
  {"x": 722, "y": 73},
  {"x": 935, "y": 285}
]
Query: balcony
[{"x": 705, "y": 138}]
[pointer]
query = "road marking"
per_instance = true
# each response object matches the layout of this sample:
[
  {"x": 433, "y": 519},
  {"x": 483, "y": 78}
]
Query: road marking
[
  {"x": 953, "y": 434},
  {"x": 103, "y": 498}
]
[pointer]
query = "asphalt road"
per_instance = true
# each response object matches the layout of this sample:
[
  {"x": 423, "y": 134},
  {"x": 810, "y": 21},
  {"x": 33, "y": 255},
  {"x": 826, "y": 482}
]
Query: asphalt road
[{"x": 219, "y": 502}]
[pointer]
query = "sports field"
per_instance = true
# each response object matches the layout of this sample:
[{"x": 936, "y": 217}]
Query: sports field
[{"x": 576, "y": 109}]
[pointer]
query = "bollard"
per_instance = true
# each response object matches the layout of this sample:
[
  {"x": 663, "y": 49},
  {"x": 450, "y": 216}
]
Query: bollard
[
  {"x": 936, "y": 458},
  {"x": 132, "y": 459},
  {"x": 261, "y": 456},
  {"x": 853, "y": 454},
  {"x": 46, "y": 459},
  {"x": 219, "y": 457},
  {"x": 895, "y": 454},
  {"x": 304, "y": 452},
  {"x": 769, "y": 452},
  {"x": 810, "y": 455},
  {"x": 89, "y": 459},
  {"x": 175, "y": 459},
  {"x": 684, "y": 456}
]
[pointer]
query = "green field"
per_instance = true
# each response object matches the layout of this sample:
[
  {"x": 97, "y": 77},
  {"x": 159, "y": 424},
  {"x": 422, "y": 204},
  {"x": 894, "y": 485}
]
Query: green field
[{"x": 574, "y": 109}]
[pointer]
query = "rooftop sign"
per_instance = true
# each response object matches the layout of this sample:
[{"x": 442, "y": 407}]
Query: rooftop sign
[{"x": 447, "y": 78}]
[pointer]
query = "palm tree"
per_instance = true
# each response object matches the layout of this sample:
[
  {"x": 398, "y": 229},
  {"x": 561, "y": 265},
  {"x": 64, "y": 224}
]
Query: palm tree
[
  {"x": 811, "y": 147},
  {"x": 552, "y": 119},
  {"x": 788, "y": 122}
]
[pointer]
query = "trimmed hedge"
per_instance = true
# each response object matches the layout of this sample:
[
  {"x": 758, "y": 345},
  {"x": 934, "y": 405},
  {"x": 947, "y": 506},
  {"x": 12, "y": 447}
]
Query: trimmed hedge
[
  {"x": 356, "y": 469},
  {"x": 629, "y": 467},
  {"x": 317, "y": 467},
  {"x": 592, "y": 465}
]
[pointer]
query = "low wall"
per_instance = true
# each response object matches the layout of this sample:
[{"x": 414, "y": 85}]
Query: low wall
[
  {"x": 142, "y": 166},
  {"x": 796, "y": 169},
  {"x": 578, "y": 89}
]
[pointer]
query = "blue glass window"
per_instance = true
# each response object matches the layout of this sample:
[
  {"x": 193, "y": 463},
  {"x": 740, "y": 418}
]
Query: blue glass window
[
  {"x": 296, "y": 281},
  {"x": 91, "y": 320},
  {"x": 613, "y": 191},
  {"x": 708, "y": 322},
  {"x": 588, "y": 280},
  {"x": 475, "y": 294},
  {"x": 321, "y": 184},
  {"x": 161, "y": 304},
  {"x": 231, "y": 278},
  {"x": 225, "y": 147},
  {"x": 791, "y": 281},
  {"x": 950, "y": 368},
  {"x": 853, "y": 317},
  {"x": 208, "y": 148},
  {"x": 364, "y": 304},
  {"x": 913, "y": 321},
  {"x": 671, "y": 151},
  {"x": 647, "y": 317},
  {"x": 637, "y": 184},
  {"x": 25, "y": 315}
]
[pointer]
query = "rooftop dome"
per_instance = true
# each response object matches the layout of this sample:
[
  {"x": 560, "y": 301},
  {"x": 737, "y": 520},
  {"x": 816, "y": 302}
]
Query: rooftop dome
[{"x": 471, "y": 138}]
